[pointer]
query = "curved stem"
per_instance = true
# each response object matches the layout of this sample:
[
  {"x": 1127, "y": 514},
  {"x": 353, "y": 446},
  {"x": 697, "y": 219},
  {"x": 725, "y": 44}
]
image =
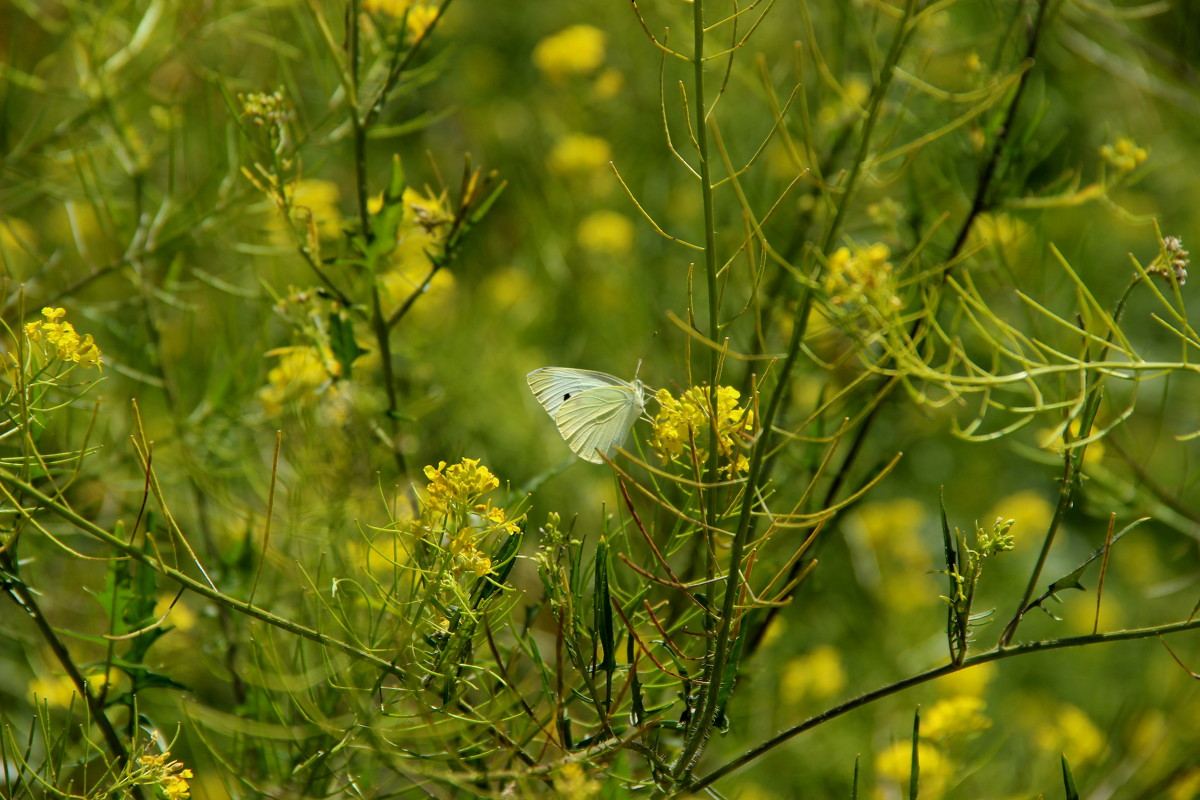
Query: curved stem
[
  {"x": 979, "y": 204},
  {"x": 924, "y": 677},
  {"x": 46, "y": 503}
]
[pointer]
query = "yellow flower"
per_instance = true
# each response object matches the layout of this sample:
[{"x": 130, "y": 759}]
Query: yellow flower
[
  {"x": 301, "y": 373},
  {"x": 178, "y": 616},
  {"x": 954, "y": 719},
  {"x": 1125, "y": 154},
  {"x": 454, "y": 518},
  {"x": 573, "y": 783},
  {"x": 607, "y": 84},
  {"x": 420, "y": 19},
  {"x": 1186, "y": 785},
  {"x": 1067, "y": 730},
  {"x": 459, "y": 485},
  {"x": 169, "y": 776},
  {"x": 18, "y": 244},
  {"x": 684, "y": 420},
  {"x": 315, "y": 197},
  {"x": 577, "y": 50},
  {"x": 58, "y": 690},
  {"x": 895, "y": 763},
  {"x": 62, "y": 340},
  {"x": 818, "y": 674},
  {"x": 1003, "y": 234},
  {"x": 888, "y": 532},
  {"x": 400, "y": 282},
  {"x": 1030, "y": 509},
  {"x": 421, "y": 234},
  {"x": 1052, "y": 439},
  {"x": 861, "y": 277},
  {"x": 393, "y": 8},
  {"x": 606, "y": 232},
  {"x": 970, "y": 681},
  {"x": 579, "y": 154},
  {"x": 846, "y": 106}
]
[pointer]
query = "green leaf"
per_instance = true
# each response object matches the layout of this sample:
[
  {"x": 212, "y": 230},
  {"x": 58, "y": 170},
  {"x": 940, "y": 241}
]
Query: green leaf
[
  {"x": 342, "y": 342},
  {"x": 602, "y": 612},
  {"x": 1069, "y": 781},
  {"x": 637, "y": 711},
  {"x": 728, "y": 682},
  {"x": 503, "y": 561}
]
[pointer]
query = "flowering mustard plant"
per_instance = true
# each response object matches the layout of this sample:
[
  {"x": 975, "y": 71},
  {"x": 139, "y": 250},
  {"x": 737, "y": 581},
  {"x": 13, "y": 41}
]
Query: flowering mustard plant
[
  {"x": 170, "y": 777},
  {"x": 576, "y": 50},
  {"x": 682, "y": 423},
  {"x": 862, "y": 277},
  {"x": 455, "y": 516},
  {"x": 59, "y": 339}
]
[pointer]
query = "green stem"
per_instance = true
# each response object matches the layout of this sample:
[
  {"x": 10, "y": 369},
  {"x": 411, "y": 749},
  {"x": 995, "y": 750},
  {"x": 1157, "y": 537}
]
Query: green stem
[
  {"x": 1072, "y": 474},
  {"x": 710, "y": 247},
  {"x": 932, "y": 674},
  {"x": 47, "y": 503},
  {"x": 979, "y": 204},
  {"x": 28, "y": 602},
  {"x": 699, "y": 732}
]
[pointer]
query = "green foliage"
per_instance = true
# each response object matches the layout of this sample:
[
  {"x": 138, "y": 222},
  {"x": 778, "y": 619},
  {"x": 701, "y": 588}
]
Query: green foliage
[{"x": 278, "y": 516}]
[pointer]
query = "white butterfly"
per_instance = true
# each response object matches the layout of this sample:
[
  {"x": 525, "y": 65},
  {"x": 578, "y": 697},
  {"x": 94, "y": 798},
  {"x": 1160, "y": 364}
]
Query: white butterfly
[{"x": 593, "y": 411}]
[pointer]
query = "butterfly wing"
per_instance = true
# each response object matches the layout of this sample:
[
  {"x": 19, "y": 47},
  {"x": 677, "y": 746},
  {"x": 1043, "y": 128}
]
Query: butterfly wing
[
  {"x": 596, "y": 421},
  {"x": 553, "y": 386}
]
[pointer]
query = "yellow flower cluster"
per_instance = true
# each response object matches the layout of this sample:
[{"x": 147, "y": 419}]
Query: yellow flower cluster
[
  {"x": 815, "y": 675},
  {"x": 577, "y": 50},
  {"x": 1125, "y": 155},
  {"x": 861, "y": 277},
  {"x": 169, "y": 776},
  {"x": 895, "y": 763},
  {"x": 300, "y": 375},
  {"x": 458, "y": 486},
  {"x": 605, "y": 232},
  {"x": 945, "y": 727},
  {"x": 579, "y": 154},
  {"x": 310, "y": 197},
  {"x": 1052, "y": 439},
  {"x": 847, "y": 106},
  {"x": 453, "y": 509},
  {"x": 421, "y": 14},
  {"x": 1068, "y": 730},
  {"x": 889, "y": 532},
  {"x": 58, "y": 691},
  {"x": 62, "y": 338},
  {"x": 572, "y": 782},
  {"x": 422, "y": 229},
  {"x": 684, "y": 420},
  {"x": 955, "y": 719}
]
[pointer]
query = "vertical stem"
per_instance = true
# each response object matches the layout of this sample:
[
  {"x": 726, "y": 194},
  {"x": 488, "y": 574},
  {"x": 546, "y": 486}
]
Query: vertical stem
[
  {"x": 715, "y": 675},
  {"x": 710, "y": 242},
  {"x": 379, "y": 324},
  {"x": 701, "y": 723}
]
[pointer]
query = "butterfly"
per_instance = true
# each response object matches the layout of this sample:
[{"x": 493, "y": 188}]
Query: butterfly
[{"x": 593, "y": 411}]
